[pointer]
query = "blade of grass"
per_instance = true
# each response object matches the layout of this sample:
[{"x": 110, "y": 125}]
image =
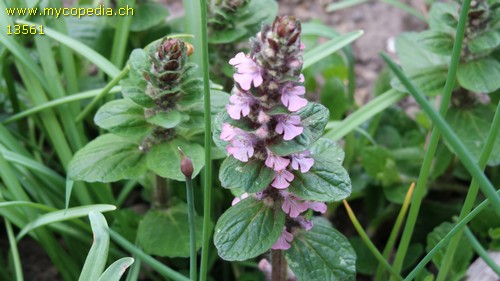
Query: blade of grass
[
  {"x": 80, "y": 48},
  {"x": 481, "y": 251},
  {"x": 443, "y": 242},
  {"x": 434, "y": 141},
  {"x": 116, "y": 270},
  {"x": 471, "y": 194},
  {"x": 320, "y": 52},
  {"x": 103, "y": 93},
  {"x": 364, "y": 114},
  {"x": 13, "y": 250},
  {"x": 122, "y": 31},
  {"x": 58, "y": 102},
  {"x": 63, "y": 215},
  {"x": 201, "y": 29},
  {"x": 98, "y": 254},
  {"x": 369, "y": 243},
  {"x": 406, "y": 8},
  {"x": 343, "y": 4},
  {"x": 147, "y": 259},
  {"x": 395, "y": 232}
]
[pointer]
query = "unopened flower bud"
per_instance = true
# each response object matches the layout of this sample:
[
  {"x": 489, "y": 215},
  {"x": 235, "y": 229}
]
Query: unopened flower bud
[
  {"x": 263, "y": 118},
  {"x": 186, "y": 165}
]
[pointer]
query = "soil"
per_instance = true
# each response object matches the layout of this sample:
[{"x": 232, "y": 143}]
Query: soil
[{"x": 380, "y": 22}]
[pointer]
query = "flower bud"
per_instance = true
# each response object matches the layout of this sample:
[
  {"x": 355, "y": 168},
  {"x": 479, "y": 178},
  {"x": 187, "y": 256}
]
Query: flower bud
[{"x": 186, "y": 165}]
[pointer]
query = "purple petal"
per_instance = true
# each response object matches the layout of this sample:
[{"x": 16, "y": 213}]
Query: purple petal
[
  {"x": 241, "y": 146},
  {"x": 236, "y": 200},
  {"x": 301, "y": 161},
  {"x": 276, "y": 162},
  {"x": 282, "y": 179},
  {"x": 293, "y": 205},
  {"x": 228, "y": 132},
  {"x": 317, "y": 206},
  {"x": 240, "y": 104},
  {"x": 290, "y": 97},
  {"x": 284, "y": 241},
  {"x": 306, "y": 224},
  {"x": 290, "y": 126}
]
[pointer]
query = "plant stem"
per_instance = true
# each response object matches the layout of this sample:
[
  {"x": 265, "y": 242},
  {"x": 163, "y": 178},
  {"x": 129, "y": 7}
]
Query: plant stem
[
  {"x": 471, "y": 195},
  {"x": 207, "y": 186},
  {"x": 192, "y": 229},
  {"x": 160, "y": 195},
  {"x": 481, "y": 251},
  {"x": 279, "y": 266},
  {"x": 434, "y": 141},
  {"x": 369, "y": 243},
  {"x": 395, "y": 231}
]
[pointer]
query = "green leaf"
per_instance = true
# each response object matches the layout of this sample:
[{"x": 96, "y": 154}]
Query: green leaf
[
  {"x": 166, "y": 120},
  {"x": 165, "y": 233},
  {"x": 98, "y": 254},
  {"x": 444, "y": 17},
  {"x": 486, "y": 41},
  {"x": 472, "y": 127},
  {"x": 480, "y": 76},
  {"x": 380, "y": 164},
  {"x": 108, "y": 158},
  {"x": 124, "y": 118},
  {"x": 327, "y": 180},
  {"x": 462, "y": 255},
  {"x": 437, "y": 42},
  {"x": 134, "y": 89},
  {"x": 313, "y": 119},
  {"x": 226, "y": 36},
  {"x": 147, "y": 14},
  {"x": 321, "y": 253},
  {"x": 64, "y": 215},
  {"x": 252, "y": 176},
  {"x": 164, "y": 159},
  {"x": 257, "y": 12},
  {"x": 327, "y": 150},
  {"x": 248, "y": 229},
  {"x": 116, "y": 270},
  {"x": 414, "y": 59},
  {"x": 430, "y": 80}
]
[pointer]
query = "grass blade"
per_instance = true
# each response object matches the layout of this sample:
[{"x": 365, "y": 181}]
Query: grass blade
[
  {"x": 63, "y": 215},
  {"x": 116, "y": 270},
  {"x": 364, "y": 114},
  {"x": 344, "y": 4},
  {"x": 481, "y": 251},
  {"x": 80, "y": 48},
  {"x": 13, "y": 250},
  {"x": 58, "y": 102},
  {"x": 98, "y": 254},
  {"x": 320, "y": 52},
  {"x": 147, "y": 259},
  {"x": 369, "y": 243}
]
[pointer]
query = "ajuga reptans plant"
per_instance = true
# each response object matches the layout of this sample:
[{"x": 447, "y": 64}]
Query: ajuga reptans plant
[
  {"x": 280, "y": 168},
  {"x": 162, "y": 109}
]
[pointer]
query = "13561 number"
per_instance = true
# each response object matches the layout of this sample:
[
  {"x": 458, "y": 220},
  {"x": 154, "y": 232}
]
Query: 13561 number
[{"x": 24, "y": 29}]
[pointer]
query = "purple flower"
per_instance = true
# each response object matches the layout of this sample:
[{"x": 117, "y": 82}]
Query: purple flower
[
  {"x": 284, "y": 241},
  {"x": 289, "y": 125},
  {"x": 241, "y": 146},
  {"x": 276, "y": 162},
  {"x": 228, "y": 132},
  {"x": 290, "y": 97},
  {"x": 293, "y": 205},
  {"x": 240, "y": 104},
  {"x": 282, "y": 179},
  {"x": 317, "y": 206},
  {"x": 306, "y": 224},
  {"x": 300, "y": 160},
  {"x": 247, "y": 71}
]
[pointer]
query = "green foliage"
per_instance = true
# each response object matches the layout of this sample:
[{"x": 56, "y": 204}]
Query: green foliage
[
  {"x": 463, "y": 255},
  {"x": 327, "y": 180},
  {"x": 322, "y": 253},
  {"x": 165, "y": 233},
  {"x": 248, "y": 229},
  {"x": 252, "y": 176}
]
